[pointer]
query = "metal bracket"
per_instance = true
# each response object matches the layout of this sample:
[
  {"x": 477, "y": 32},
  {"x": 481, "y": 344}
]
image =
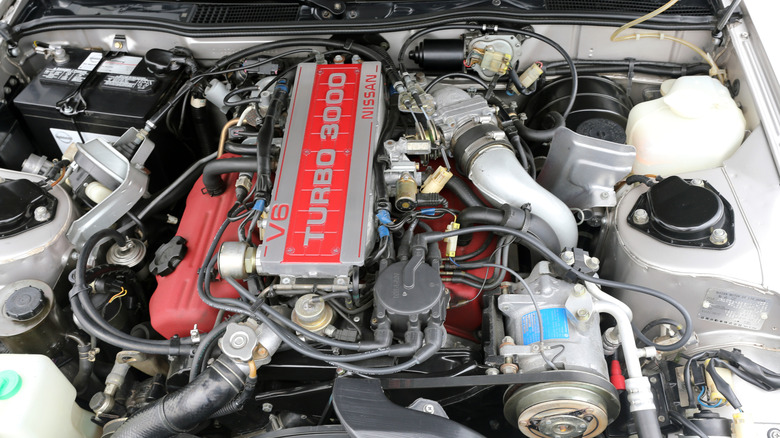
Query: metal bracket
[
  {"x": 133, "y": 183},
  {"x": 119, "y": 44}
]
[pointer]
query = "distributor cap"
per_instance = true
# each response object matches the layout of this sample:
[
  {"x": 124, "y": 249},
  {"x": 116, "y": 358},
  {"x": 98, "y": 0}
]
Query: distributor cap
[{"x": 408, "y": 293}]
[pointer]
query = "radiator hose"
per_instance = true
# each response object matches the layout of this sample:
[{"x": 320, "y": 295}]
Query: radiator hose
[{"x": 181, "y": 411}]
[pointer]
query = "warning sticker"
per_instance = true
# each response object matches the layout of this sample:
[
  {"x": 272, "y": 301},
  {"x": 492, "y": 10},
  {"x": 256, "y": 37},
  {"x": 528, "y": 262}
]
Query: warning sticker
[
  {"x": 735, "y": 308},
  {"x": 60, "y": 75},
  {"x": 140, "y": 84},
  {"x": 123, "y": 65},
  {"x": 92, "y": 60},
  {"x": 554, "y": 324}
]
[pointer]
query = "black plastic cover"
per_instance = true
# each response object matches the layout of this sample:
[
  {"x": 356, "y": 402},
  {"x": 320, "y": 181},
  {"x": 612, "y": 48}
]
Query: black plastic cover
[
  {"x": 25, "y": 303},
  {"x": 19, "y": 198},
  {"x": 365, "y": 412},
  {"x": 710, "y": 423},
  {"x": 684, "y": 214}
]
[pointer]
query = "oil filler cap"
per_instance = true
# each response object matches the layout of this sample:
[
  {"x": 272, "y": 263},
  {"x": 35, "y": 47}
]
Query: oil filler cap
[
  {"x": 25, "y": 303},
  {"x": 689, "y": 213},
  {"x": 10, "y": 384}
]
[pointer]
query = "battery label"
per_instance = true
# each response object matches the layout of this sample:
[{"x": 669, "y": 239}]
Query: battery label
[
  {"x": 554, "y": 324},
  {"x": 92, "y": 60},
  {"x": 61, "y": 75},
  {"x": 123, "y": 65},
  {"x": 139, "y": 84}
]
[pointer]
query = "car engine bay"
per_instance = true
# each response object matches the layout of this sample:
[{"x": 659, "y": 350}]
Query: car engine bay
[{"x": 457, "y": 227}]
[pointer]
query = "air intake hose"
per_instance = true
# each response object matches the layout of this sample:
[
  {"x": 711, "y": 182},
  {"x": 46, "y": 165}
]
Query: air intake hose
[
  {"x": 182, "y": 410},
  {"x": 485, "y": 155}
]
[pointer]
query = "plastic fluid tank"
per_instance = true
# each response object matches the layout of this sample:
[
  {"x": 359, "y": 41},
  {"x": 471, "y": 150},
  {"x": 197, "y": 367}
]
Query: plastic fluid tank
[
  {"x": 36, "y": 400},
  {"x": 696, "y": 125}
]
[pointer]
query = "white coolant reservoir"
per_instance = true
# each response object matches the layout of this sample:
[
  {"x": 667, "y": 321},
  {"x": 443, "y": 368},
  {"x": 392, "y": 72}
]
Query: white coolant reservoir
[
  {"x": 695, "y": 126},
  {"x": 36, "y": 400}
]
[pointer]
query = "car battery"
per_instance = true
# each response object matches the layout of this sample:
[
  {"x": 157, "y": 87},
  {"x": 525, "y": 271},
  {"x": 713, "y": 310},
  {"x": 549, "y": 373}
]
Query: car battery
[{"x": 120, "y": 94}]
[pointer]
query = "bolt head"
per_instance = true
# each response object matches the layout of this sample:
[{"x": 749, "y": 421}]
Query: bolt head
[
  {"x": 429, "y": 408},
  {"x": 491, "y": 372},
  {"x": 604, "y": 195},
  {"x": 118, "y": 44},
  {"x": 268, "y": 407},
  {"x": 697, "y": 182},
  {"x": 41, "y": 214},
  {"x": 719, "y": 236},
  {"x": 579, "y": 290},
  {"x": 568, "y": 257},
  {"x": 583, "y": 314},
  {"x": 509, "y": 368},
  {"x": 593, "y": 263},
  {"x": 640, "y": 216}
]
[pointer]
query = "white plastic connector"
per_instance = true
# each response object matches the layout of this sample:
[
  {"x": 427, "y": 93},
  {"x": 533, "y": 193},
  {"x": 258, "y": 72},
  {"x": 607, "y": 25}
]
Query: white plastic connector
[
  {"x": 452, "y": 242},
  {"x": 436, "y": 181},
  {"x": 531, "y": 75}
]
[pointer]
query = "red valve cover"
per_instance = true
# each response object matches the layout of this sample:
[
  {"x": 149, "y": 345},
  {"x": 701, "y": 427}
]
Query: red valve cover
[{"x": 175, "y": 306}]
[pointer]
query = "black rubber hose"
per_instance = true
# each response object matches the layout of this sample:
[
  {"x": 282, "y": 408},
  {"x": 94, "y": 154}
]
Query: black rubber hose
[
  {"x": 540, "y": 135},
  {"x": 480, "y": 215},
  {"x": 92, "y": 322},
  {"x": 457, "y": 74},
  {"x": 81, "y": 379},
  {"x": 646, "y": 422},
  {"x": 180, "y": 187},
  {"x": 266, "y": 135},
  {"x": 213, "y": 171},
  {"x": 184, "y": 409},
  {"x": 240, "y": 149},
  {"x": 462, "y": 190},
  {"x": 203, "y": 136},
  {"x": 688, "y": 427},
  {"x": 512, "y": 217},
  {"x": 239, "y": 401}
]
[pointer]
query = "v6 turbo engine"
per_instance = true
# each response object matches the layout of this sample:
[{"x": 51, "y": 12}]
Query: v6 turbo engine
[{"x": 449, "y": 229}]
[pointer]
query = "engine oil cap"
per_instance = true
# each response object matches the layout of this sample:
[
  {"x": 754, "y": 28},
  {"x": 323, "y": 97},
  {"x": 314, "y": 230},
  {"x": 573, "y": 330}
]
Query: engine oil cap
[
  {"x": 25, "y": 303},
  {"x": 10, "y": 384}
]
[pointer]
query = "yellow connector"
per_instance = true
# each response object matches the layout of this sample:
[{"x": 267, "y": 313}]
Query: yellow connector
[
  {"x": 452, "y": 242},
  {"x": 531, "y": 74},
  {"x": 436, "y": 181},
  {"x": 742, "y": 427},
  {"x": 715, "y": 395},
  {"x": 496, "y": 62}
]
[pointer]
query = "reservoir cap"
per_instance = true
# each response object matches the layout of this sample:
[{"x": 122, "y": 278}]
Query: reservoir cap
[
  {"x": 10, "y": 384},
  {"x": 25, "y": 303}
]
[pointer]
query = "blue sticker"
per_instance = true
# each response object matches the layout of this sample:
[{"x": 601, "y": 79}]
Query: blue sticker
[{"x": 554, "y": 323}]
